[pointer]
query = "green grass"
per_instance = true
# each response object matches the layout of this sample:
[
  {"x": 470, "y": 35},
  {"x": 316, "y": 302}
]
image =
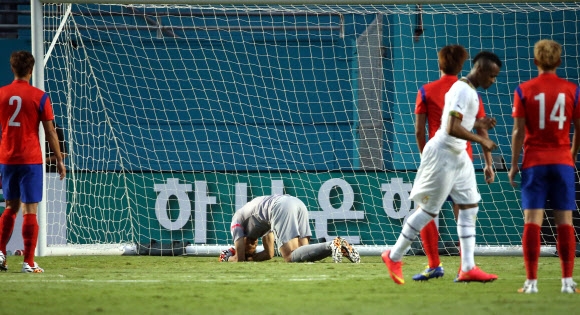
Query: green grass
[{"x": 200, "y": 285}]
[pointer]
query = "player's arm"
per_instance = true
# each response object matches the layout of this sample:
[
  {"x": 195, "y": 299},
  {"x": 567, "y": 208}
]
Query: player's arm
[
  {"x": 488, "y": 169},
  {"x": 518, "y": 135},
  {"x": 455, "y": 129},
  {"x": 268, "y": 252},
  {"x": 420, "y": 134},
  {"x": 240, "y": 247},
  {"x": 575, "y": 140},
  {"x": 52, "y": 138}
]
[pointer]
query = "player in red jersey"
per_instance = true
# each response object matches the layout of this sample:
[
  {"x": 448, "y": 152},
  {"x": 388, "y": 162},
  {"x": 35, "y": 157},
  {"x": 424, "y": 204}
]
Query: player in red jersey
[
  {"x": 428, "y": 110},
  {"x": 22, "y": 109},
  {"x": 544, "y": 108}
]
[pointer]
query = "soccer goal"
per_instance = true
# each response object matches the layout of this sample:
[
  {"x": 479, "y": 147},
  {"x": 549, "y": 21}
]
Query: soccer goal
[{"x": 175, "y": 114}]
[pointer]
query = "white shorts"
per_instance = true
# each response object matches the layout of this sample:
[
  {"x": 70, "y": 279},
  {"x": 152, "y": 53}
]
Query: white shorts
[{"x": 444, "y": 172}]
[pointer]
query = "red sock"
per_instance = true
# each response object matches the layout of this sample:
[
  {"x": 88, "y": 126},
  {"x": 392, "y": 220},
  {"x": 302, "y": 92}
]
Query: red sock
[
  {"x": 430, "y": 240},
  {"x": 30, "y": 237},
  {"x": 531, "y": 248},
  {"x": 6, "y": 227},
  {"x": 566, "y": 246}
]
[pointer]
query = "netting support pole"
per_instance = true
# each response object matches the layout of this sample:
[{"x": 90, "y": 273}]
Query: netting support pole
[{"x": 38, "y": 81}]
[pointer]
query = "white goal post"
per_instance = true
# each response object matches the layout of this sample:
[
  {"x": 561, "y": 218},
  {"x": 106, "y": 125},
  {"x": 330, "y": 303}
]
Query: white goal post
[{"x": 175, "y": 113}]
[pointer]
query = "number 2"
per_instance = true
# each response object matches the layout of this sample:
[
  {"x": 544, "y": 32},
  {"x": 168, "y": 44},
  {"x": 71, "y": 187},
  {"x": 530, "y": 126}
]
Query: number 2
[
  {"x": 18, "y": 101},
  {"x": 557, "y": 113}
]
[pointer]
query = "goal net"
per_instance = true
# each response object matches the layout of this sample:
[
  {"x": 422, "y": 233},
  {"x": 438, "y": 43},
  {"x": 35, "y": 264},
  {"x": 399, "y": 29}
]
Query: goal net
[{"x": 174, "y": 116}]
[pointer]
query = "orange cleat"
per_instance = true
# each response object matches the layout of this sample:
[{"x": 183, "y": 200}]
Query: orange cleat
[
  {"x": 476, "y": 275},
  {"x": 395, "y": 268}
]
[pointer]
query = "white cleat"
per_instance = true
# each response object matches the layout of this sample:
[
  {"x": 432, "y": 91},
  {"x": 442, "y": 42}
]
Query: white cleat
[{"x": 35, "y": 269}]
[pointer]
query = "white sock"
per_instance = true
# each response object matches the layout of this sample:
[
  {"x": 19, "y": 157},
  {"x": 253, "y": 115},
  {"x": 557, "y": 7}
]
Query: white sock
[
  {"x": 466, "y": 232},
  {"x": 410, "y": 231},
  {"x": 568, "y": 281}
]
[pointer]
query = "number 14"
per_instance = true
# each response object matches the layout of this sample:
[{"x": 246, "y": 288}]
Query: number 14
[{"x": 558, "y": 114}]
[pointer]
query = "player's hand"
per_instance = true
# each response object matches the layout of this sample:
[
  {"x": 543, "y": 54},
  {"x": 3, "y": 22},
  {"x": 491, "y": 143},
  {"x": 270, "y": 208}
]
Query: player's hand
[
  {"x": 489, "y": 174},
  {"x": 488, "y": 145},
  {"x": 226, "y": 254},
  {"x": 61, "y": 169},
  {"x": 512, "y": 175},
  {"x": 485, "y": 123}
]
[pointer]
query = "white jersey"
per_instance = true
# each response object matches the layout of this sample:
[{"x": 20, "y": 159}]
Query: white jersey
[{"x": 462, "y": 98}]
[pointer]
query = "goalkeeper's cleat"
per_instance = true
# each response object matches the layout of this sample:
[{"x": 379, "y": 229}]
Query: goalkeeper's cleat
[
  {"x": 395, "y": 267},
  {"x": 569, "y": 287},
  {"x": 336, "y": 248},
  {"x": 475, "y": 275},
  {"x": 226, "y": 254},
  {"x": 430, "y": 273},
  {"x": 529, "y": 287},
  {"x": 3, "y": 265},
  {"x": 26, "y": 268},
  {"x": 348, "y": 251}
]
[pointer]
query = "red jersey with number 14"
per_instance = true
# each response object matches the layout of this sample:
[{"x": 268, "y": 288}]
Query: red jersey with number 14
[
  {"x": 22, "y": 108},
  {"x": 549, "y": 104}
]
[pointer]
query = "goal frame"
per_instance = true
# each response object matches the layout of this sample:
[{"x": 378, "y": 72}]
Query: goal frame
[{"x": 202, "y": 250}]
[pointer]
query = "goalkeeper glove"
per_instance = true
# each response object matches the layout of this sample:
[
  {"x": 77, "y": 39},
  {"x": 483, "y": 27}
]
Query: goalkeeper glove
[{"x": 226, "y": 254}]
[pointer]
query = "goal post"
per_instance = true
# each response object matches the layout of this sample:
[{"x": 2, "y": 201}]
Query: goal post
[{"x": 176, "y": 114}]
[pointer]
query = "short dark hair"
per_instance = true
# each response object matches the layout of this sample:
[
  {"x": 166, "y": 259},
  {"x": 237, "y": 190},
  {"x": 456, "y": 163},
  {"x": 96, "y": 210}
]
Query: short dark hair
[
  {"x": 487, "y": 56},
  {"x": 22, "y": 63}
]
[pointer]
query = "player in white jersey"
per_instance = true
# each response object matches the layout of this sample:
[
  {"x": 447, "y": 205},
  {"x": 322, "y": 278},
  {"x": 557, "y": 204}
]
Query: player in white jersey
[
  {"x": 447, "y": 170},
  {"x": 286, "y": 217}
]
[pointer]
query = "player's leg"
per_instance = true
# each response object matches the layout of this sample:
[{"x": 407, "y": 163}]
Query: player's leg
[
  {"x": 431, "y": 187},
  {"x": 563, "y": 198},
  {"x": 11, "y": 191},
  {"x": 430, "y": 240},
  {"x": 31, "y": 195},
  {"x": 466, "y": 195}
]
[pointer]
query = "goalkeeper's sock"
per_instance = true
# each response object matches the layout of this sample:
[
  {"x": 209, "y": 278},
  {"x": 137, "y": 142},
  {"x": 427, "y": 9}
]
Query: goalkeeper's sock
[
  {"x": 531, "y": 249},
  {"x": 312, "y": 252},
  {"x": 566, "y": 246},
  {"x": 411, "y": 229},
  {"x": 30, "y": 236},
  {"x": 430, "y": 240},
  {"x": 6, "y": 227},
  {"x": 466, "y": 232}
]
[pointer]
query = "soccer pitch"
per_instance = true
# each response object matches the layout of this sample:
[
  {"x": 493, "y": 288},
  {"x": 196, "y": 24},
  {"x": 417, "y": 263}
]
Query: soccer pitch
[{"x": 201, "y": 285}]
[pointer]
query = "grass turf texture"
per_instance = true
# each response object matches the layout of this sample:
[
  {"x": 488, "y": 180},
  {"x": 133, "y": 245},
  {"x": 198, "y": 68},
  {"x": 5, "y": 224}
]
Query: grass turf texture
[{"x": 201, "y": 285}]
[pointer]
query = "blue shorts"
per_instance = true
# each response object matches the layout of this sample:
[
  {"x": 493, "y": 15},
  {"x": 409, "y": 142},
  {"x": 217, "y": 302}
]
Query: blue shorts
[
  {"x": 22, "y": 181},
  {"x": 554, "y": 182}
]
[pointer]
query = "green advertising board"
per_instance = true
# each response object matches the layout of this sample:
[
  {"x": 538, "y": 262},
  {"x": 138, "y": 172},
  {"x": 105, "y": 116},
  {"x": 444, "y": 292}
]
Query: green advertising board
[{"x": 367, "y": 207}]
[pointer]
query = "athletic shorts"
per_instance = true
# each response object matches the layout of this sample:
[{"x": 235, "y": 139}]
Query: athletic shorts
[
  {"x": 22, "y": 181},
  {"x": 444, "y": 172},
  {"x": 554, "y": 182},
  {"x": 289, "y": 219}
]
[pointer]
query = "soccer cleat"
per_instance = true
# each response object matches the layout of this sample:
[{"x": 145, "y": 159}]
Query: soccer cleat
[
  {"x": 570, "y": 287},
  {"x": 430, "y": 273},
  {"x": 336, "y": 248},
  {"x": 348, "y": 251},
  {"x": 226, "y": 254},
  {"x": 395, "y": 267},
  {"x": 27, "y": 269},
  {"x": 476, "y": 275},
  {"x": 3, "y": 265},
  {"x": 529, "y": 287}
]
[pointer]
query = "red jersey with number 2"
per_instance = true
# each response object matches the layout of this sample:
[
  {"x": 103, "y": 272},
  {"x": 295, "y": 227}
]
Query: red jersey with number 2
[
  {"x": 431, "y": 100},
  {"x": 22, "y": 108},
  {"x": 549, "y": 104}
]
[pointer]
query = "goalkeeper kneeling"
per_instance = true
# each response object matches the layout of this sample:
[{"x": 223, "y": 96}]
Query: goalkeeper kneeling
[{"x": 286, "y": 217}]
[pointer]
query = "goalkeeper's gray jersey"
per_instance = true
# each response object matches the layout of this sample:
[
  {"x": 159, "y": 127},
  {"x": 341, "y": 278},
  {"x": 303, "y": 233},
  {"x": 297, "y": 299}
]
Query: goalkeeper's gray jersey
[
  {"x": 254, "y": 218},
  {"x": 285, "y": 215}
]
